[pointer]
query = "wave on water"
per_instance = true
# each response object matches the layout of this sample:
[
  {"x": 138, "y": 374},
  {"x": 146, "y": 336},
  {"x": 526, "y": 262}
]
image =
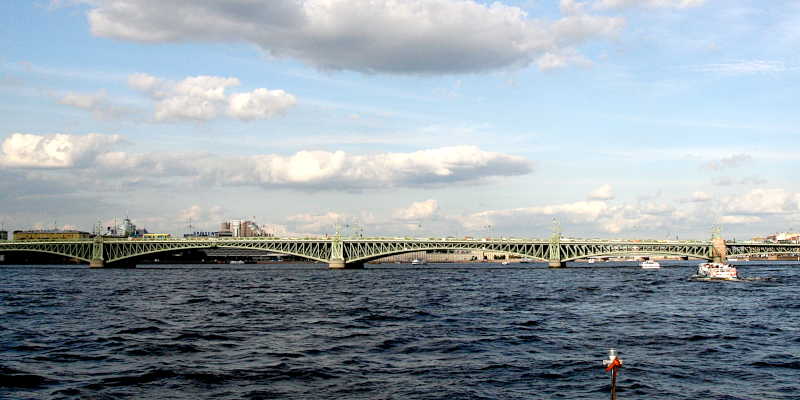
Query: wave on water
[{"x": 397, "y": 333}]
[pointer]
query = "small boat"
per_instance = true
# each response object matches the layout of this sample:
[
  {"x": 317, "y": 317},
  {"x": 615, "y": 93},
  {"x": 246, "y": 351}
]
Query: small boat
[
  {"x": 237, "y": 262},
  {"x": 526, "y": 261},
  {"x": 591, "y": 261},
  {"x": 649, "y": 264},
  {"x": 417, "y": 261},
  {"x": 504, "y": 263},
  {"x": 716, "y": 271}
]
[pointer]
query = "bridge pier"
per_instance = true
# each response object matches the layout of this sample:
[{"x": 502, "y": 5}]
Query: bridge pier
[
  {"x": 97, "y": 263},
  {"x": 557, "y": 264},
  {"x": 340, "y": 264}
]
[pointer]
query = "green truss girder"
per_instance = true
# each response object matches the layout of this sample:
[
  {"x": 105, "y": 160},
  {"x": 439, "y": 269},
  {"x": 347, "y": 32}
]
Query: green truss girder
[
  {"x": 363, "y": 250},
  {"x": 762, "y": 249},
  {"x": 80, "y": 249},
  {"x": 574, "y": 250}
]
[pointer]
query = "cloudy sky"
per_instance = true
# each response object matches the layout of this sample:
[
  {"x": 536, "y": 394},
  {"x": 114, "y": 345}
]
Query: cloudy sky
[{"x": 619, "y": 118}]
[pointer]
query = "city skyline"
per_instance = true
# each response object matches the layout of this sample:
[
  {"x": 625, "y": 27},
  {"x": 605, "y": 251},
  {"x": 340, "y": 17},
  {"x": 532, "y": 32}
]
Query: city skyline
[{"x": 619, "y": 118}]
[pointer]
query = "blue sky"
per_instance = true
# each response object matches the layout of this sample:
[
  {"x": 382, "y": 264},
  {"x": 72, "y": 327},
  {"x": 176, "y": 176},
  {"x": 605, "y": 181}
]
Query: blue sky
[{"x": 620, "y": 118}]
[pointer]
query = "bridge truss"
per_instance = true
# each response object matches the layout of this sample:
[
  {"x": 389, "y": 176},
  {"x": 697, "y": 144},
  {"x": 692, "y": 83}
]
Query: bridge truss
[{"x": 341, "y": 252}]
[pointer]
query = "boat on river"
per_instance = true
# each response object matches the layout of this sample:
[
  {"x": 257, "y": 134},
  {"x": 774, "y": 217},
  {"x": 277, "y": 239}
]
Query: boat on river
[
  {"x": 717, "y": 271},
  {"x": 418, "y": 261},
  {"x": 649, "y": 264}
]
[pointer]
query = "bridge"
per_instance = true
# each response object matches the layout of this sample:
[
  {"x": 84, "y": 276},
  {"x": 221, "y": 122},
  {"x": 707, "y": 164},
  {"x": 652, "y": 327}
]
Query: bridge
[{"x": 339, "y": 252}]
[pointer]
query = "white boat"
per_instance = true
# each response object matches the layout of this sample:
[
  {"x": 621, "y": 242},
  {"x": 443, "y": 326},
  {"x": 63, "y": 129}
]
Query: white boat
[
  {"x": 504, "y": 263},
  {"x": 591, "y": 261},
  {"x": 417, "y": 261},
  {"x": 237, "y": 262},
  {"x": 716, "y": 271},
  {"x": 526, "y": 261},
  {"x": 649, "y": 264}
]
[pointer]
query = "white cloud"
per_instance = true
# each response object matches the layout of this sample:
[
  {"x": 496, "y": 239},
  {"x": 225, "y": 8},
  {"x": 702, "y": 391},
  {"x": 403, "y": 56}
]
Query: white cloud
[
  {"x": 418, "y": 210},
  {"x": 316, "y": 223},
  {"x": 746, "y": 67},
  {"x": 739, "y": 219},
  {"x": 306, "y": 170},
  {"x": 763, "y": 202},
  {"x": 202, "y": 98},
  {"x": 389, "y": 36},
  {"x": 97, "y": 103},
  {"x": 582, "y": 211},
  {"x": 700, "y": 197},
  {"x": 604, "y": 192},
  {"x": 201, "y": 218},
  {"x": 86, "y": 101},
  {"x": 649, "y": 3},
  {"x": 732, "y": 161},
  {"x": 339, "y": 170},
  {"x": 259, "y": 104},
  {"x": 58, "y": 150}
]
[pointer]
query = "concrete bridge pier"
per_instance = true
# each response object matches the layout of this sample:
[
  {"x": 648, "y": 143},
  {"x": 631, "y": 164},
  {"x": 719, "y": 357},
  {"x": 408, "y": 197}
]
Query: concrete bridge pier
[
  {"x": 719, "y": 251},
  {"x": 340, "y": 264},
  {"x": 97, "y": 263},
  {"x": 557, "y": 264}
]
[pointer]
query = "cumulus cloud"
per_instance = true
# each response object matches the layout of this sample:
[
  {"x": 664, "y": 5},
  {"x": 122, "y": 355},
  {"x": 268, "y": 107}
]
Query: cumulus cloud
[
  {"x": 316, "y": 223},
  {"x": 748, "y": 181},
  {"x": 649, "y": 3},
  {"x": 418, "y": 210},
  {"x": 700, "y": 197},
  {"x": 201, "y": 98},
  {"x": 604, "y": 192},
  {"x": 200, "y": 216},
  {"x": 732, "y": 161},
  {"x": 259, "y": 104},
  {"x": 582, "y": 211},
  {"x": 308, "y": 170},
  {"x": 762, "y": 201},
  {"x": 386, "y": 36},
  {"x": 339, "y": 170},
  {"x": 58, "y": 150},
  {"x": 98, "y": 104}
]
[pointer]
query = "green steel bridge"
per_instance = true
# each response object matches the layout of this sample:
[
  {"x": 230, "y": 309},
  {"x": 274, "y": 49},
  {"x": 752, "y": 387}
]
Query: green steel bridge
[{"x": 340, "y": 252}]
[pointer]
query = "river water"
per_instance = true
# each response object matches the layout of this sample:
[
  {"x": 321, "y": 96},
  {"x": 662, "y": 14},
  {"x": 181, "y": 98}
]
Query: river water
[{"x": 395, "y": 332}]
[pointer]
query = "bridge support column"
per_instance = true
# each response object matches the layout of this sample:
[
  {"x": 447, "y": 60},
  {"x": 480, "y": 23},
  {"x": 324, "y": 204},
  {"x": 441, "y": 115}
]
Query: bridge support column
[
  {"x": 555, "y": 248},
  {"x": 98, "y": 261},
  {"x": 719, "y": 251},
  {"x": 340, "y": 264}
]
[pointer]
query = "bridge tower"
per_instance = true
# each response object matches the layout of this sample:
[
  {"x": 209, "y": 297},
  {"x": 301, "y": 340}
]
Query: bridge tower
[
  {"x": 555, "y": 247},
  {"x": 98, "y": 261},
  {"x": 719, "y": 252},
  {"x": 337, "y": 260}
]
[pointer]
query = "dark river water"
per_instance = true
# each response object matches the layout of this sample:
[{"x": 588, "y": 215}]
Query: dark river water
[{"x": 395, "y": 332}]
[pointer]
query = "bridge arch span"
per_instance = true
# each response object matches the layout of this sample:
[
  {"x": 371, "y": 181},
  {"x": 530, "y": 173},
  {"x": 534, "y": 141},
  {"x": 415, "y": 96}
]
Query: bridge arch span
[
  {"x": 45, "y": 251},
  {"x": 115, "y": 255},
  {"x": 375, "y": 256},
  {"x": 639, "y": 253}
]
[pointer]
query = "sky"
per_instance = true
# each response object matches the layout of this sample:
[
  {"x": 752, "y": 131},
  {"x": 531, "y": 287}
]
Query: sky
[{"x": 617, "y": 118}]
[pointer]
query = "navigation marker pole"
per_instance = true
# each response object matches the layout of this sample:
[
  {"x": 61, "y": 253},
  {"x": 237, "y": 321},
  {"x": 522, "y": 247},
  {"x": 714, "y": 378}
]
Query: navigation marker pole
[{"x": 613, "y": 364}]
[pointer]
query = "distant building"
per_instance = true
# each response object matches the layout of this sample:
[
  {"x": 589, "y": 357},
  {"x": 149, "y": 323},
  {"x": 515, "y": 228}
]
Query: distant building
[
  {"x": 201, "y": 235},
  {"x": 53, "y": 234},
  {"x": 126, "y": 228},
  {"x": 241, "y": 228},
  {"x": 784, "y": 237}
]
